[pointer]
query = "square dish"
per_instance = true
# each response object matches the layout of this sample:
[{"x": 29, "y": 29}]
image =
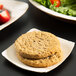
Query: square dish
[
  {"x": 16, "y": 8},
  {"x": 51, "y": 12},
  {"x": 10, "y": 55}
]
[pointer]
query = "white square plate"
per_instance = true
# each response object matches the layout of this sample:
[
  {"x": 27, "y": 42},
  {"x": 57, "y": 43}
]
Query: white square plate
[
  {"x": 51, "y": 12},
  {"x": 10, "y": 55},
  {"x": 16, "y": 8}
]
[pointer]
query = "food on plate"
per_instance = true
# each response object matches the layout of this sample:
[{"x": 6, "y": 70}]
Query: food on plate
[
  {"x": 43, "y": 62},
  {"x": 35, "y": 48},
  {"x": 41, "y": 44},
  {"x": 4, "y": 15},
  {"x": 67, "y": 7}
]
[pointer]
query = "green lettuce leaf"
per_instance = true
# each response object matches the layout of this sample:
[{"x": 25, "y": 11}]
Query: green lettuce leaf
[
  {"x": 43, "y": 2},
  {"x": 67, "y": 2}
]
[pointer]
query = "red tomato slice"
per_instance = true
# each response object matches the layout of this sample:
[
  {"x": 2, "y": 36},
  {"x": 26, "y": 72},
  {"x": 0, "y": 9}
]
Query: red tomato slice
[
  {"x": 1, "y": 6},
  {"x": 57, "y": 2},
  {"x": 4, "y": 16}
]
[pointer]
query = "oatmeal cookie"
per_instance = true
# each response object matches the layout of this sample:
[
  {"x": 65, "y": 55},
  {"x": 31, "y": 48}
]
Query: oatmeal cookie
[
  {"x": 37, "y": 44},
  {"x": 41, "y": 63}
]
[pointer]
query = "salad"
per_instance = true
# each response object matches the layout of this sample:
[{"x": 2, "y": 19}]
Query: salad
[{"x": 67, "y": 7}]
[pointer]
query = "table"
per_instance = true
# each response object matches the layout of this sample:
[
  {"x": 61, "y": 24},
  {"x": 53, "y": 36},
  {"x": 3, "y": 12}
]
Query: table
[{"x": 34, "y": 18}]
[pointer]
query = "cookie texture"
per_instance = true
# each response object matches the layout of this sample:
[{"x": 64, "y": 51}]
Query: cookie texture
[
  {"x": 41, "y": 63},
  {"x": 37, "y": 45}
]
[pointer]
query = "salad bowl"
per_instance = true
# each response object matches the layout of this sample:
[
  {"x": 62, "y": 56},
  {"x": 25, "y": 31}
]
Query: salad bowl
[{"x": 53, "y": 13}]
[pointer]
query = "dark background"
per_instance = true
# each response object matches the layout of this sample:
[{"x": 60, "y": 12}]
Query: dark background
[{"x": 34, "y": 18}]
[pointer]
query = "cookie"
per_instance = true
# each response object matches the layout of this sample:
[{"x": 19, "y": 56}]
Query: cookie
[
  {"x": 37, "y": 44},
  {"x": 41, "y": 63}
]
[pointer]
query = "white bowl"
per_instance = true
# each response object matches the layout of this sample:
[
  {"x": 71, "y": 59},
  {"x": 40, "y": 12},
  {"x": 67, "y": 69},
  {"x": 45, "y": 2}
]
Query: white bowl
[
  {"x": 53, "y": 13},
  {"x": 10, "y": 55},
  {"x": 16, "y": 8}
]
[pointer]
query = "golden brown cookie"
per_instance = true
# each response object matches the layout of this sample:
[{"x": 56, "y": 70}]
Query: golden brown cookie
[
  {"x": 44, "y": 62},
  {"x": 37, "y": 44}
]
